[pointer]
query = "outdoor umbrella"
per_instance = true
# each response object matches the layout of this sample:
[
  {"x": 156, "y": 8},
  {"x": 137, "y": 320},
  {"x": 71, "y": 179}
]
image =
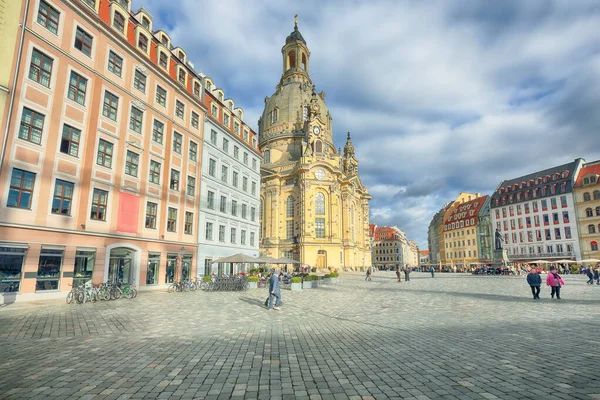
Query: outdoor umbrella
[
  {"x": 237, "y": 258},
  {"x": 564, "y": 262},
  {"x": 267, "y": 260},
  {"x": 539, "y": 262}
]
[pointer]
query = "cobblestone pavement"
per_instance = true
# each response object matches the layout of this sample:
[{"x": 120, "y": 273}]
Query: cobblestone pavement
[{"x": 450, "y": 337}]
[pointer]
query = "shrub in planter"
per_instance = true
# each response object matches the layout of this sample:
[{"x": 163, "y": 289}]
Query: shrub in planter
[
  {"x": 307, "y": 278},
  {"x": 206, "y": 278},
  {"x": 334, "y": 275},
  {"x": 314, "y": 277},
  {"x": 297, "y": 279},
  {"x": 574, "y": 269},
  {"x": 253, "y": 279},
  {"x": 327, "y": 276},
  {"x": 296, "y": 283}
]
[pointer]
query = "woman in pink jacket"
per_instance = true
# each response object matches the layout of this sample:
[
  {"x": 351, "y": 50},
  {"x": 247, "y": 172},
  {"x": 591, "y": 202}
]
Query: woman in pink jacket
[{"x": 555, "y": 281}]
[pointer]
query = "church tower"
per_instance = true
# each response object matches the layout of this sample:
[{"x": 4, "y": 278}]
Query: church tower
[{"x": 313, "y": 206}]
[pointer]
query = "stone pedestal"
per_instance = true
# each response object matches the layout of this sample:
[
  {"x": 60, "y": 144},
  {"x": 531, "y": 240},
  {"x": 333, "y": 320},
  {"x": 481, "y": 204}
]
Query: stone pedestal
[{"x": 500, "y": 258}]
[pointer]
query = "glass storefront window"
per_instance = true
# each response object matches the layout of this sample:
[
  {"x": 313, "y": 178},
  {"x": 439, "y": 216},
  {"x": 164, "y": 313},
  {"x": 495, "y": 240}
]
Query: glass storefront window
[
  {"x": 84, "y": 266},
  {"x": 11, "y": 266},
  {"x": 120, "y": 265},
  {"x": 153, "y": 265},
  {"x": 171, "y": 268},
  {"x": 207, "y": 266},
  {"x": 49, "y": 267},
  {"x": 186, "y": 266}
]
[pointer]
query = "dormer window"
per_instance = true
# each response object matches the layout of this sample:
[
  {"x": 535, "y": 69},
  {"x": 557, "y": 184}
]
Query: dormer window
[
  {"x": 163, "y": 60},
  {"x": 226, "y": 119},
  {"x": 143, "y": 43},
  {"x": 592, "y": 179},
  {"x": 146, "y": 23},
  {"x": 119, "y": 22},
  {"x": 208, "y": 86},
  {"x": 181, "y": 76},
  {"x": 221, "y": 96},
  {"x": 197, "y": 88},
  {"x": 181, "y": 56},
  {"x": 236, "y": 128},
  {"x": 214, "y": 111},
  {"x": 165, "y": 41},
  {"x": 245, "y": 135},
  {"x": 91, "y": 3},
  {"x": 124, "y": 3},
  {"x": 231, "y": 106}
]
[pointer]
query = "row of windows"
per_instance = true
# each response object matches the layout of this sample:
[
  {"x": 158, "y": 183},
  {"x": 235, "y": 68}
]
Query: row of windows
[
  {"x": 383, "y": 259},
  {"x": 387, "y": 251},
  {"x": 210, "y": 203},
  {"x": 534, "y": 206},
  {"x": 550, "y": 249},
  {"x": 590, "y": 180},
  {"x": 536, "y": 181},
  {"x": 536, "y": 221},
  {"x": 458, "y": 244},
  {"x": 588, "y": 197},
  {"x": 528, "y": 236},
  {"x": 459, "y": 233},
  {"x": 21, "y": 193},
  {"x": 214, "y": 111},
  {"x": 232, "y": 236},
  {"x": 532, "y": 194},
  {"x": 212, "y": 171},
  {"x": 236, "y": 149},
  {"x": 462, "y": 253}
]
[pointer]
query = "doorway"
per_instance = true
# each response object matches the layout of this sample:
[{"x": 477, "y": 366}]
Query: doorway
[
  {"x": 322, "y": 259},
  {"x": 120, "y": 266}
]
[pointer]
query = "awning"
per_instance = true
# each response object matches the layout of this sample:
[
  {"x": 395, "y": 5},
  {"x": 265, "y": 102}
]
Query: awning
[{"x": 236, "y": 258}]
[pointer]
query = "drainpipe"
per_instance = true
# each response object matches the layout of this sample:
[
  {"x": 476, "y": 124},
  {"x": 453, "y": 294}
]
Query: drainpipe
[{"x": 12, "y": 95}]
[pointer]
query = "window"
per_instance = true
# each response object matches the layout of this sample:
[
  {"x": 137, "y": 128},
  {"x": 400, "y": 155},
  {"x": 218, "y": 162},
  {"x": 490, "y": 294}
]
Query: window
[
  {"x": 151, "y": 213},
  {"x": 596, "y": 194},
  {"x": 555, "y": 218},
  {"x": 320, "y": 228},
  {"x": 143, "y": 43},
  {"x": 209, "y": 231},
  {"x": 177, "y": 141},
  {"x": 83, "y": 42},
  {"x": 591, "y": 229},
  {"x": 243, "y": 237},
  {"x": 253, "y": 191},
  {"x": 236, "y": 152},
  {"x": 254, "y": 164},
  {"x": 594, "y": 245},
  {"x": 139, "y": 81},
  {"x": 267, "y": 156},
  {"x": 553, "y": 203},
  {"x": 179, "y": 109},
  {"x": 548, "y": 234},
  {"x": 163, "y": 60},
  {"x": 245, "y": 135},
  {"x": 154, "y": 172},
  {"x": 124, "y": 3},
  {"x": 174, "y": 183},
  {"x": 195, "y": 120},
  {"x": 157, "y": 132},
  {"x": 136, "y": 119},
  {"x": 153, "y": 267},
  {"x": 252, "y": 238},
  {"x": 224, "y": 173},
  {"x": 274, "y": 115},
  {"x": 69, "y": 143},
  {"x": 544, "y": 205},
  {"x": 587, "y": 196},
  {"x": 21, "y": 189},
  {"x": 234, "y": 208},
  {"x": 226, "y": 119},
  {"x": 213, "y": 137},
  {"x": 188, "y": 223},
  {"x": 110, "y": 106},
  {"x": 214, "y": 111},
  {"x": 115, "y": 63},
  {"x": 210, "y": 200},
  {"x": 289, "y": 207},
  {"x": 131, "y": 163},
  {"x": 245, "y": 184},
  {"x": 84, "y": 266},
  {"x": 172, "y": 220},
  {"x": 244, "y": 211},
  {"x": 49, "y": 269},
  {"x": 319, "y": 204},
  {"x": 289, "y": 229},
  {"x": 252, "y": 214},
  {"x": 557, "y": 233},
  {"x": 119, "y": 22},
  {"x": 99, "y": 202},
  {"x": 191, "y": 186},
  {"x": 597, "y": 211},
  {"x": 197, "y": 89},
  {"x": 223, "y": 204},
  {"x": 233, "y": 235},
  {"x": 589, "y": 212},
  {"x": 225, "y": 145},
  {"x": 221, "y": 233},
  {"x": 48, "y": 17},
  {"x": 105, "y": 152},
  {"x": 193, "y": 151},
  {"x": 212, "y": 166},
  {"x": 77, "y": 88},
  {"x": 246, "y": 158},
  {"x": 32, "y": 124},
  {"x": 181, "y": 76},
  {"x": 161, "y": 96},
  {"x": 40, "y": 68},
  {"x": 234, "y": 180}
]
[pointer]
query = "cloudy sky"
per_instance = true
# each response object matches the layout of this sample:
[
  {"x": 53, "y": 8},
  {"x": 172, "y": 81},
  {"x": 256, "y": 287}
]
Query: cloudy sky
[{"x": 440, "y": 96}]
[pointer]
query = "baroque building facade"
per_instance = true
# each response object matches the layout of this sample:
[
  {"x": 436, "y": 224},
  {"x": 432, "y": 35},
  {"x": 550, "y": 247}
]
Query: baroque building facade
[
  {"x": 587, "y": 200},
  {"x": 314, "y": 207}
]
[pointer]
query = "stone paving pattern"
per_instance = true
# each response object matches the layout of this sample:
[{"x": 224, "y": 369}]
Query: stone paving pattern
[{"x": 451, "y": 337}]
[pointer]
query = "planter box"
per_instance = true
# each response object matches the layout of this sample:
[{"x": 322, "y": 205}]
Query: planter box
[
  {"x": 252, "y": 285},
  {"x": 296, "y": 286},
  {"x": 335, "y": 280},
  {"x": 310, "y": 285},
  {"x": 328, "y": 281}
]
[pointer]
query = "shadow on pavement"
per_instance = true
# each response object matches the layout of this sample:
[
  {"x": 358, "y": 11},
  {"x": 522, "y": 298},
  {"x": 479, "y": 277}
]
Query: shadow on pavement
[{"x": 253, "y": 302}]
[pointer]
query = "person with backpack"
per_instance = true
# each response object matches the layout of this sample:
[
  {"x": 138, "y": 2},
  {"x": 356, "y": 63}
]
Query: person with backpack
[
  {"x": 555, "y": 281},
  {"x": 535, "y": 281}
]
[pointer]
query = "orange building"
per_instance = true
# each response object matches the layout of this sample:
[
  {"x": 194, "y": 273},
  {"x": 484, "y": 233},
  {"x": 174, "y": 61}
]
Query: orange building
[{"x": 101, "y": 166}]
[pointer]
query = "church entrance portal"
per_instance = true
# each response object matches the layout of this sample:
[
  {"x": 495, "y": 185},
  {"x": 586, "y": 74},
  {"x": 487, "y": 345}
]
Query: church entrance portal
[{"x": 322, "y": 259}]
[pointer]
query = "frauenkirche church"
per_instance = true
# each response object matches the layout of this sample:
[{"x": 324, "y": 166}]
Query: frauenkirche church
[{"x": 314, "y": 207}]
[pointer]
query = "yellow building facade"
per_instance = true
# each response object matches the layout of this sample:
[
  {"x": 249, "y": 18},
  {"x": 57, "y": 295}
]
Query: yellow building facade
[
  {"x": 314, "y": 207},
  {"x": 587, "y": 202}
]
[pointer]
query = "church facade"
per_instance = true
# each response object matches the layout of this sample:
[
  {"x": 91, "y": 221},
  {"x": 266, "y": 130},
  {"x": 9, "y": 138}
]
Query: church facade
[{"x": 314, "y": 207}]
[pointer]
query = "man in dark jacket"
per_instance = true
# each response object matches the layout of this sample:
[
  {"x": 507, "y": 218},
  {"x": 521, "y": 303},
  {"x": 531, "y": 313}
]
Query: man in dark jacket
[
  {"x": 407, "y": 273},
  {"x": 590, "y": 276},
  {"x": 274, "y": 291},
  {"x": 535, "y": 281},
  {"x": 398, "y": 273}
]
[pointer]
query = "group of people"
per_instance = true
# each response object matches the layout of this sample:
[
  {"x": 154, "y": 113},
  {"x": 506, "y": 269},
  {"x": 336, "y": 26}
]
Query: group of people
[
  {"x": 553, "y": 279},
  {"x": 593, "y": 275}
]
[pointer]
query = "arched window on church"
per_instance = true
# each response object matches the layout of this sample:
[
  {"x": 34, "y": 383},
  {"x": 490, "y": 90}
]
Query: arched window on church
[
  {"x": 289, "y": 207},
  {"x": 352, "y": 222},
  {"x": 291, "y": 60},
  {"x": 289, "y": 215},
  {"x": 304, "y": 63},
  {"x": 267, "y": 156},
  {"x": 304, "y": 113},
  {"x": 319, "y": 204},
  {"x": 318, "y": 146}
]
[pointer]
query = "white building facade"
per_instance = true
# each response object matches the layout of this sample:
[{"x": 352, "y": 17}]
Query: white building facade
[
  {"x": 536, "y": 217},
  {"x": 230, "y": 192}
]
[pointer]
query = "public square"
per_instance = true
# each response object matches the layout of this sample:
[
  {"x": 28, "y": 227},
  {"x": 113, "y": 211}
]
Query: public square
[{"x": 451, "y": 337}]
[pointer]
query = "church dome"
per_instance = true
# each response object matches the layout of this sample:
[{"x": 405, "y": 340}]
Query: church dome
[{"x": 295, "y": 35}]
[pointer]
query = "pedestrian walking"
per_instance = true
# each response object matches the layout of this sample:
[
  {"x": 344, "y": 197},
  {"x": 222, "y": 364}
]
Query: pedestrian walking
[
  {"x": 368, "y": 277},
  {"x": 555, "y": 281},
  {"x": 274, "y": 292},
  {"x": 597, "y": 275},
  {"x": 398, "y": 274},
  {"x": 535, "y": 281},
  {"x": 590, "y": 276},
  {"x": 407, "y": 273},
  {"x": 432, "y": 270}
]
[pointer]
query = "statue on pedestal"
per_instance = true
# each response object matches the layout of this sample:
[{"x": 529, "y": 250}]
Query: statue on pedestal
[{"x": 499, "y": 240}]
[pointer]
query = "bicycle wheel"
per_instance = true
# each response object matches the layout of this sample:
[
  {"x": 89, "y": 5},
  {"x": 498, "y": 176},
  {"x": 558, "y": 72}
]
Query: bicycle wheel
[
  {"x": 134, "y": 292},
  {"x": 186, "y": 287},
  {"x": 70, "y": 297},
  {"x": 80, "y": 297},
  {"x": 171, "y": 288},
  {"x": 129, "y": 294}
]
